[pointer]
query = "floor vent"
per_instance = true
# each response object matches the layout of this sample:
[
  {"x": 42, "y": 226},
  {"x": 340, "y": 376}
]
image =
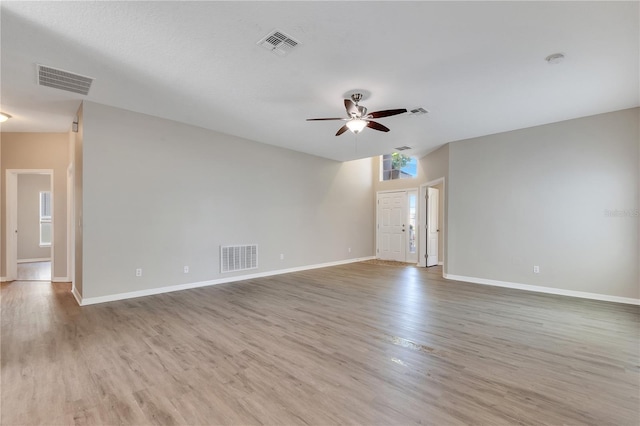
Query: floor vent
[
  {"x": 238, "y": 258},
  {"x": 278, "y": 42},
  {"x": 63, "y": 80}
]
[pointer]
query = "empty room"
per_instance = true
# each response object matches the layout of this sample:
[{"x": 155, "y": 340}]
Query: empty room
[{"x": 319, "y": 213}]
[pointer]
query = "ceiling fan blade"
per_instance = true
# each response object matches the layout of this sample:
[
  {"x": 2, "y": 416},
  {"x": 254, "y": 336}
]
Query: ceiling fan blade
[
  {"x": 324, "y": 119},
  {"x": 386, "y": 113},
  {"x": 342, "y": 130},
  {"x": 351, "y": 107},
  {"x": 376, "y": 126}
]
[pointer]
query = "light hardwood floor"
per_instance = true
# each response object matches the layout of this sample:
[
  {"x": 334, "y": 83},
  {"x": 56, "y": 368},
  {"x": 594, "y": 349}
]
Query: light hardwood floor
[
  {"x": 353, "y": 344},
  {"x": 34, "y": 271}
]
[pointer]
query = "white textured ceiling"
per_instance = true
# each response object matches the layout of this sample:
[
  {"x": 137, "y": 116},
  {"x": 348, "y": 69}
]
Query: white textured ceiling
[{"x": 478, "y": 67}]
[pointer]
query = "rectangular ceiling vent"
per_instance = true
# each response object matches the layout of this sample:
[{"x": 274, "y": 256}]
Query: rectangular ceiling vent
[
  {"x": 238, "y": 258},
  {"x": 278, "y": 42},
  {"x": 418, "y": 111},
  {"x": 63, "y": 80},
  {"x": 403, "y": 148}
]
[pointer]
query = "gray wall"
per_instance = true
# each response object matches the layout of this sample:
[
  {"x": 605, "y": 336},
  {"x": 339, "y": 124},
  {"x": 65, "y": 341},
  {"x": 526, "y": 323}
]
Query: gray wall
[
  {"x": 29, "y": 188},
  {"x": 159, "y": 195},
  {"x": 39, "y": 151},
  {"x": 540, "y": 196}
]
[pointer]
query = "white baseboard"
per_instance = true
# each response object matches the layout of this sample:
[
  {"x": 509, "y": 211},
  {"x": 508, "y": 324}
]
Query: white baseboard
[
  {"x": 168, "y": 289},
  {"x": 540, "y": 289},
  {"x": 53, "y": 280},
  {"x": 77, "y": 296},
  {"x": 42, "y": 259}
]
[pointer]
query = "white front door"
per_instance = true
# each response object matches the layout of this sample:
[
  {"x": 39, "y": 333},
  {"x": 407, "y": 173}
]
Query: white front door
[
  {"x": 433, "y": 228},
  {"x": 392, "y": 218}
]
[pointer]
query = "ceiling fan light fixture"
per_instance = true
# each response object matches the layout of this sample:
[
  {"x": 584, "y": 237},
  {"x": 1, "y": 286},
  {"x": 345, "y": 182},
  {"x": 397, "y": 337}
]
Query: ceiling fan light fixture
[
  {"x": 4, "y": 117},
  {"x": 358, "y": 118},
  {"x": 356, "y": 125}
]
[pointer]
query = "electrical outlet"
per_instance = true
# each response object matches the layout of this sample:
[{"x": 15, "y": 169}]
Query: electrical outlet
[
  {"x": 139, "y": 272},
  {"x": 281, "y": 256},
  {"x": 186, "y": 269},
  {"x": 536, "y": 269},
  {"x": 349, "y": 250}
]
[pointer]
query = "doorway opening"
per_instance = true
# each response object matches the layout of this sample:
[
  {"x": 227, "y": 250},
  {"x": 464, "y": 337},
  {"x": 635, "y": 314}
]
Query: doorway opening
[
  {"x": 432, "y": 246},
  {"x": 30, "y": 237}
]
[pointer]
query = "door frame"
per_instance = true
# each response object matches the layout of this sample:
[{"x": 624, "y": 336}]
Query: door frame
[
  {"x": 70, "y": 228},
  {"x": 422, "y": 213},
  {"x": 433, "y": 203},
  {"x": 406, "y": 210},
  {"x": 11, "y": 243}
]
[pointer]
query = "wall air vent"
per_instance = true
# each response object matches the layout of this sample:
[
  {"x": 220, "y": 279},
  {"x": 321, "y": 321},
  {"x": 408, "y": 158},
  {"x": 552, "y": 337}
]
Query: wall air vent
[
  {"x": 238, "y": 258},
  {"x": 418, "y": 111},
  {"x": 402, "y": 148},
  {"x": 63, "y": 80},
  {"x": 278, "y": 42}
]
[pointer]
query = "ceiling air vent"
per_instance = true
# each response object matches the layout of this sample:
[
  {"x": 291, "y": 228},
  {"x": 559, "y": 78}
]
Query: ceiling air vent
[
  {"x": 278, "y": 42},
  {"x": 63, "y": 80},
  {"x": 418, "y": 111},
  {"x": 402, "y": 148}
]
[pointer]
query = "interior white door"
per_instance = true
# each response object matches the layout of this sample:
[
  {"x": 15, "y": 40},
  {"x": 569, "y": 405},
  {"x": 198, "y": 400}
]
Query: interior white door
[
  {"x": 392, "y": 225},
  {"x": 433, "y": 228}
]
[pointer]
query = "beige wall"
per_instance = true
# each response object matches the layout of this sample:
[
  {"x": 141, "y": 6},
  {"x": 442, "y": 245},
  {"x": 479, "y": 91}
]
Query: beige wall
[
  {"x": 159, "y": 195},
  {"x": 540, "y": 196},
  {"x": 39, "y": 151},
  {"x": 436, "y": 166},
  {"x": 29, "y": 188}
]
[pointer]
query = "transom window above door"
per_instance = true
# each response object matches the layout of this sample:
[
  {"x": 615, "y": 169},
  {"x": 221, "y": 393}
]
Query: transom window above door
[{"x": 398, "y": 166}]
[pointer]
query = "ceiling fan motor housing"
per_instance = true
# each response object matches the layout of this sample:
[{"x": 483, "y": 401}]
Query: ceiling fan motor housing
[{"x": 358, "y": 118}]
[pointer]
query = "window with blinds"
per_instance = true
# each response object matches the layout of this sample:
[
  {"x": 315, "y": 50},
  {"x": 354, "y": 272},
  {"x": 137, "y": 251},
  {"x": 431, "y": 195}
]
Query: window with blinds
[{"x": 46, "y": 231}]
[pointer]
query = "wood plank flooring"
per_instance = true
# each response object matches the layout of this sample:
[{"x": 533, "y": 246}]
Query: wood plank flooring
[
  {"x": 34, "y": 271},
  {"x": 352, "y": 344}
]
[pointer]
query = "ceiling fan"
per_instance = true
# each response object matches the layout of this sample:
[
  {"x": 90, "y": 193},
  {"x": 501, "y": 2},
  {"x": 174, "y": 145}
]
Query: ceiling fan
[{"x": 358, "y": 118}]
